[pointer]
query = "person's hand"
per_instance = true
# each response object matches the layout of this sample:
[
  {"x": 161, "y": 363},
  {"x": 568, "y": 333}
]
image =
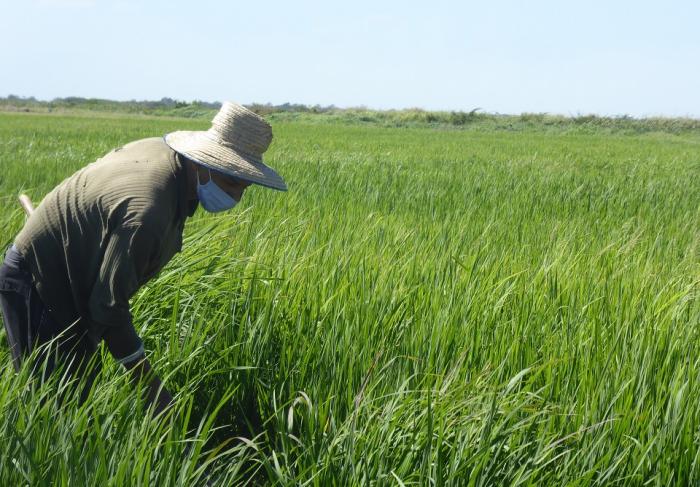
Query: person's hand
[
  {"x": 159, "y": 396},
  {"x": 156, "y": 394}
]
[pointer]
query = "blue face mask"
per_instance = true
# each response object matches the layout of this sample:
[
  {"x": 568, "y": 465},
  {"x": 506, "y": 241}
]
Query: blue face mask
[{"x": 212, "y": 197}]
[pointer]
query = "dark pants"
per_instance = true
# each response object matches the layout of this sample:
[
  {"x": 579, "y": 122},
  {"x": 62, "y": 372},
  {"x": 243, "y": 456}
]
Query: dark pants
[{"x": 30, "y": 327}]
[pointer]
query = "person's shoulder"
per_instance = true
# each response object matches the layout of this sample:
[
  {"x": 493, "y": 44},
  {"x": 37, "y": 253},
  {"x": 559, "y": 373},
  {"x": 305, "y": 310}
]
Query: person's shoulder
[
  {"x": 137, "y": 183},
  {"x": 152, "y": 148},
  {"x": 149, "y": 142},
  {"x": 149, "y": 161}
]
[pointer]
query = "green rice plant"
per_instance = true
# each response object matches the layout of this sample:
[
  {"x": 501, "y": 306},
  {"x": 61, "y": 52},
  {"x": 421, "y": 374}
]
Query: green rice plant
[{"x": 423, "y": 307}]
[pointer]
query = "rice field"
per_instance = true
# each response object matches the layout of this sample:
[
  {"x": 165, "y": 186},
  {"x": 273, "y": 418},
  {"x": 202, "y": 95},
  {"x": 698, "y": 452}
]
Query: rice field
[{"x": 423, "y": 307}]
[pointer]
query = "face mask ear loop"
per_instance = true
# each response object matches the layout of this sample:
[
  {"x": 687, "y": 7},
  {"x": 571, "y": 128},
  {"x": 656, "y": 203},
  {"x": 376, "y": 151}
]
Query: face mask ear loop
[{"x": 198, "y": 181}]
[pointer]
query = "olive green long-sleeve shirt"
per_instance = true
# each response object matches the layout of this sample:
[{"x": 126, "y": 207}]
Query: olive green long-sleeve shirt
[{"x": 104, "y": 232}]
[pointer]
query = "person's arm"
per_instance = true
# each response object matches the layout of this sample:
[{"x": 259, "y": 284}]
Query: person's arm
[
  {"x": 127, "y": 256},
  {"x": 119, "y": 342}
]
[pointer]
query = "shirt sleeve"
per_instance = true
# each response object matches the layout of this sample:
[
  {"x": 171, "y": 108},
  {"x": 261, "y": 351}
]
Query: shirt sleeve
[{"x": 129, "y": 254}]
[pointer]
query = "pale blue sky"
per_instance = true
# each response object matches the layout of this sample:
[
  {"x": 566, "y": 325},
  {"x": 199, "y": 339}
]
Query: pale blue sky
[{"x": 608, "y": 57}]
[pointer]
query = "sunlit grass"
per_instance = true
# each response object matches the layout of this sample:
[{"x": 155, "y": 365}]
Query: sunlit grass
[{"x": 421, "y": 308}]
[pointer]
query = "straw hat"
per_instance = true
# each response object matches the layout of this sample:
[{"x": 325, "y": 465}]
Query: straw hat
[{"x": 233, "y": 145}]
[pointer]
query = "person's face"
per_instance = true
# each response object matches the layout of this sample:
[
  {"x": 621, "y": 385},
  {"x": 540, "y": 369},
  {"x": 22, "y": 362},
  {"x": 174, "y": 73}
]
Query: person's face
[{"x": 234, "y": 187}]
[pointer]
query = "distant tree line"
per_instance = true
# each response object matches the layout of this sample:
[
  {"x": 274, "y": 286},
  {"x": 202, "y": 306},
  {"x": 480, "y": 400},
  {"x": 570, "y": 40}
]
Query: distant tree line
[
  {"x": 99, "y": 103},
  {"x": 409, "y": 117},
  {"x": 146, "y": 106}
]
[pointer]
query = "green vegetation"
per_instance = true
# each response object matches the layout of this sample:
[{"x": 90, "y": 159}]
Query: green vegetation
[
  {"x": 473, "y": 120},
  {"x": 424, "y": 307}
]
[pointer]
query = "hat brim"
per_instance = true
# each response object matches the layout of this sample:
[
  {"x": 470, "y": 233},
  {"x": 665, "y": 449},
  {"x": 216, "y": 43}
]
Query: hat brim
[{"x": 203, "y": 149}]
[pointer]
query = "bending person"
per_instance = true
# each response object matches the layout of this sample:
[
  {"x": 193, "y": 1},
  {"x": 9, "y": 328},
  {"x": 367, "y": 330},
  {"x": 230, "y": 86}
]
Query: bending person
[{"x": 106, "y": 230}]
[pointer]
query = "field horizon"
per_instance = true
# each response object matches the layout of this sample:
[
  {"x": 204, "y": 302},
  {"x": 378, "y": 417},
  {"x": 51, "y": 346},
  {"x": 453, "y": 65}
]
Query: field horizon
[{"x": 475, "y": 119}]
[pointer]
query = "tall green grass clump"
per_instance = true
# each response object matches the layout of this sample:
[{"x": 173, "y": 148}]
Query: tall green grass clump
[{"x": 423, "y": 307}]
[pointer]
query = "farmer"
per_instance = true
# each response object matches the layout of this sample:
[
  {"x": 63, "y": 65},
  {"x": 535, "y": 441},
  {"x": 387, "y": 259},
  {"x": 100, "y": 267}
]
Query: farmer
[{"x": 109, "y": 228}]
